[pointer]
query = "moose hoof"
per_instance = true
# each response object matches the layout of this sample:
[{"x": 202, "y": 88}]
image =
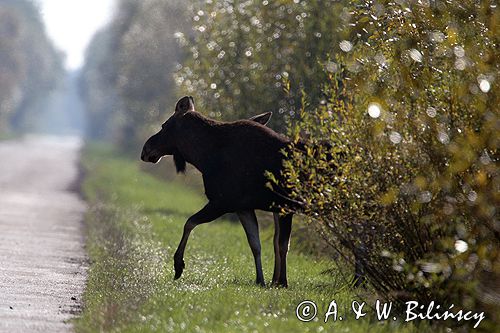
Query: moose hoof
[
  {"x": 279, "y": 284},
  {"x": 179, "y": 267},
  {"x": 260, "y": 283}
]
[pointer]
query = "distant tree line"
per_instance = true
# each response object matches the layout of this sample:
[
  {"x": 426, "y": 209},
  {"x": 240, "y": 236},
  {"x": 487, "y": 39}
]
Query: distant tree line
[
  {"x": 30, "y": 66},
  {"x": 235, "y": 58},
  {"x": 404, "y": 92},
  {"x": 127, "y": 82}
]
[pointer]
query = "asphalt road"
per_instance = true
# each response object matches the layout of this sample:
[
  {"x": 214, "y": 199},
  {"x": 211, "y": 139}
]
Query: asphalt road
[{"x": 42, "y": 257}]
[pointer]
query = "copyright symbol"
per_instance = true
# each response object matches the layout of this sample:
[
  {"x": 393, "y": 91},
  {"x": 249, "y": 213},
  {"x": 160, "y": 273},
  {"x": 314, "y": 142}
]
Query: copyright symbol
[{"x": 306, "y": 311}]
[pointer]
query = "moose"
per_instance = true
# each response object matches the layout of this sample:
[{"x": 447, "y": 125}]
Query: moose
[{"x": 233, "y": 158}]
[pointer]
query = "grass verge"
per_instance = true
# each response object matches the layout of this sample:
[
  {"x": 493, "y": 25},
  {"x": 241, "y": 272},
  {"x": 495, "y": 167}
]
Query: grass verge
[{"x": 134, "y": 224}]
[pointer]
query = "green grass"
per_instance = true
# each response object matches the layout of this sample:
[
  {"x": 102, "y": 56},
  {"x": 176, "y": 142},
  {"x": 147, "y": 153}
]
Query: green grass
[{"x": 134, "y": 224}]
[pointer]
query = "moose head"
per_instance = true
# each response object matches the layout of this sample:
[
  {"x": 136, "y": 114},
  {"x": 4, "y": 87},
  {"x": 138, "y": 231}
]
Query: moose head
[{"x": 166, "y": 141}]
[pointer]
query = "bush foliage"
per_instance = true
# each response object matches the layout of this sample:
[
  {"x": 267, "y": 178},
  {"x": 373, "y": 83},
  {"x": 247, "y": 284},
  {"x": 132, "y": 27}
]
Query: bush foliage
[{"x": 409, "y": 183}]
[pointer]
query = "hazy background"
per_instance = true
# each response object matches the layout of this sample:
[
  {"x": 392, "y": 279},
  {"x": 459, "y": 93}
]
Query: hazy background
[
  {"x": 72, "y": 24},
  {"x": 43, "y": 50}
]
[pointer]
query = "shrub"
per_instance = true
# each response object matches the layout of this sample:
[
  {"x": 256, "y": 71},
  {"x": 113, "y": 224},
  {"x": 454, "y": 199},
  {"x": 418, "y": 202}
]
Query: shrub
[{"x": 409, "y": 180}]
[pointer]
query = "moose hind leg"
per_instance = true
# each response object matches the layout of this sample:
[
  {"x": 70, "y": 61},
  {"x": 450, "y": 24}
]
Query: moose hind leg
[
  {"x": 284, "y": 243},
  {"x": 249, "y": 222},
  {"x": 276, "y": 245},
  {"x": 359, "y": 271},
  {"x": 206, "y": 214}
]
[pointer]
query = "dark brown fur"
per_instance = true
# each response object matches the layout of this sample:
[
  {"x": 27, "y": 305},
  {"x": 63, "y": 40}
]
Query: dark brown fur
[{"x": 232, "y": 157}]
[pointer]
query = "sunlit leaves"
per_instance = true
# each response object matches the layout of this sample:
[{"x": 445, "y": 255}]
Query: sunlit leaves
[{"x": 417, "y": 127}]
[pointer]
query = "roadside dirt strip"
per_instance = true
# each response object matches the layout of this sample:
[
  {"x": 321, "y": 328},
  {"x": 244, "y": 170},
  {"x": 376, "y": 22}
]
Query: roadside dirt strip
[{"x": 42, "y": 256}]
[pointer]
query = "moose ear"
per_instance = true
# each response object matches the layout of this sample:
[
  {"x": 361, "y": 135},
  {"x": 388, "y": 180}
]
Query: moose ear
[
  {"x": 262, "y": 118},
  {"x": 184, "y": 105}
]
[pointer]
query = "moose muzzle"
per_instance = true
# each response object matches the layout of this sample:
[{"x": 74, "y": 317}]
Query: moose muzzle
[{"x": 149, "y": 155}]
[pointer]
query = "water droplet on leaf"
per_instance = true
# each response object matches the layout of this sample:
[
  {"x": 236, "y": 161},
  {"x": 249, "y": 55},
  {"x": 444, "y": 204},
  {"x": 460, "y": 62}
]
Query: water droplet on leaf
[
  {"x": 416, "y": 55},
  {"x": 374, "y": 110},
  {"x": 345, "y": 45}
]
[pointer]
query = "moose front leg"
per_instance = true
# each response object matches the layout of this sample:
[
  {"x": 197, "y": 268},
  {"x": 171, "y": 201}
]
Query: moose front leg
[
  {"x": 206, "y": 214},
  {"x": 249, "y": 222}
]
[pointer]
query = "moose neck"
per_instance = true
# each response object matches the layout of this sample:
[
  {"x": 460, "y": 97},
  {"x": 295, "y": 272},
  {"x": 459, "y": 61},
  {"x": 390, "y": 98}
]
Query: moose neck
[{"x": 198, "y": 141}]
